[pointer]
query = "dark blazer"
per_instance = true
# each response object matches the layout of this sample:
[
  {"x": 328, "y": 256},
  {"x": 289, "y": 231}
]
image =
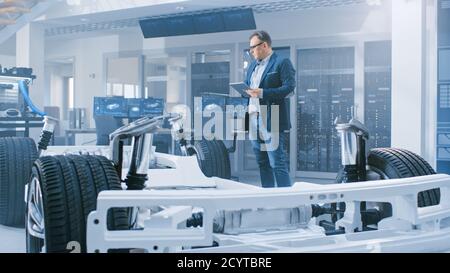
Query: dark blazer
[{"x": 277, "y": 82}]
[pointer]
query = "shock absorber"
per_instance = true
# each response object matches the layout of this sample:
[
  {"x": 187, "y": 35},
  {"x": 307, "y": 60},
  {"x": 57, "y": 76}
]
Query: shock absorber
[
  {"x": 46, "y": 134},
  {"x": 140, "y": 160},
  {"x": 353, "y": 143},
  {"x": 141, "y": 131},
  {"x": 349, "y": 154}
]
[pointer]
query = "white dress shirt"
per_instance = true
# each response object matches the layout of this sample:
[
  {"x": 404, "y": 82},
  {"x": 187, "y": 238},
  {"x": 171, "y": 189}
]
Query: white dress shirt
[{"x": 255, "y": 80}]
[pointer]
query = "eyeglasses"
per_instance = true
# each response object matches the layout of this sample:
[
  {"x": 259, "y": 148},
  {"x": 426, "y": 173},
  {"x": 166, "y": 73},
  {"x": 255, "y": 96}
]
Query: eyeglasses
[{"x": 255, "y": 46}]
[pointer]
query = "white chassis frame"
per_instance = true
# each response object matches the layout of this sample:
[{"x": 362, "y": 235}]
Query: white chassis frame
[{"x": 410, "y": 229}]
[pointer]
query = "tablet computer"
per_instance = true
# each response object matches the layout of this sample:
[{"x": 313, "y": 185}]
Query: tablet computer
[{"x": 241, "y": 87}]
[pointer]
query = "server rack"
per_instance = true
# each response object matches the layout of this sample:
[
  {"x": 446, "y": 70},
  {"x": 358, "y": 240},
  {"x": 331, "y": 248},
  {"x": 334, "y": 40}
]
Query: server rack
[
  {"x": 325, "y": 91},
  {"x": 377, "y": 84},
  {"x": 213, "y": 77}
]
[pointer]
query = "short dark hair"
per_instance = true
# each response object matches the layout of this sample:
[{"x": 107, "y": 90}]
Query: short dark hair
[{"x": 263, "y": 36}]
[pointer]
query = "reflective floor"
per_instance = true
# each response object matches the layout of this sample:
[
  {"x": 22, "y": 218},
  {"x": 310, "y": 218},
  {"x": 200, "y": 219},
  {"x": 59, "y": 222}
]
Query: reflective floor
[{"x": 12, "y": 240}]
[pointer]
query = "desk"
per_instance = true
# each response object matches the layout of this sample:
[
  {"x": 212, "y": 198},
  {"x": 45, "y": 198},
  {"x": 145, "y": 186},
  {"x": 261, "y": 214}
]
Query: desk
[
  {"x": 21, "y": 122},
  {"x": 73, "y": 132}
]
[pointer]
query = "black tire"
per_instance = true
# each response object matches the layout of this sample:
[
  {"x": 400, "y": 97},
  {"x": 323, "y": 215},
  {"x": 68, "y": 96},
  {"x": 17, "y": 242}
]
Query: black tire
[
  {"x": 212, "y": 157},
  {"x": 16, "y": 159},
  {"x": 70, "y": 186},
  {"x": 399, "y": 163}
]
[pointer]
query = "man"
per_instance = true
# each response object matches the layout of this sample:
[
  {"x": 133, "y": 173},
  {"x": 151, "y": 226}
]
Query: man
[{"x": 272, "y": 81}]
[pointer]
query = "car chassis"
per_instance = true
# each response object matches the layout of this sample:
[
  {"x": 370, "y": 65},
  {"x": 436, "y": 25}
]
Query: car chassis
[{"x": 237, "y": 217}]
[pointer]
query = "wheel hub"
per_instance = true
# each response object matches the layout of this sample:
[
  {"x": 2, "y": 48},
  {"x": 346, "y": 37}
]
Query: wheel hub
[{"x": 35, "y": 215}]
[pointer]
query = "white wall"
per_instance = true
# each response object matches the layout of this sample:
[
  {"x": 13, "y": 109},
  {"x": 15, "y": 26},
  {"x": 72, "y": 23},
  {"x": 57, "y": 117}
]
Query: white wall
[
  {"x": 7, "y": 61},
  {"x": 54, "y": 82},
  {"x": 408, "y": 77},
  {"x": 56, "y": 87},
  {"x": 30, "y": 52},
  {"x": 88, "y": 61},
  {"x": 56, "y": 73},
  {"x": 130, "y": 40}
]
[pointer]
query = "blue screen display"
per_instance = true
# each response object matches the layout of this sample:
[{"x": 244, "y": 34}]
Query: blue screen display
[
  {"x": 152, "y": 107},
  {"x": 128, "y": 108},
  {"x": 134, "y": 108},
  {"x": 153, "y": 28},
  {"x": 114, "y": 106},
  {"x": 209, "y": 23},
  {"x": 239, "y": 20},
  {"x": 181, "y": 25},
  {"x": 213, "y": 100}
]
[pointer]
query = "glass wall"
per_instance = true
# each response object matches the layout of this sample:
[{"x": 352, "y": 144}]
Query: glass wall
[
  {"x": 165, "y": 77},
  {"x": 123, "y": 77},
  {"x": 443, "y": 103}
]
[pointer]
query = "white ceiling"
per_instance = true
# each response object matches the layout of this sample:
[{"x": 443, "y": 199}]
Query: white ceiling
[
  {"x": 15, "y": 14},
  {"x": 8, "y": 47},
  {"x": 97, "y": 18},
  {"x": 63, "y": 21}
]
